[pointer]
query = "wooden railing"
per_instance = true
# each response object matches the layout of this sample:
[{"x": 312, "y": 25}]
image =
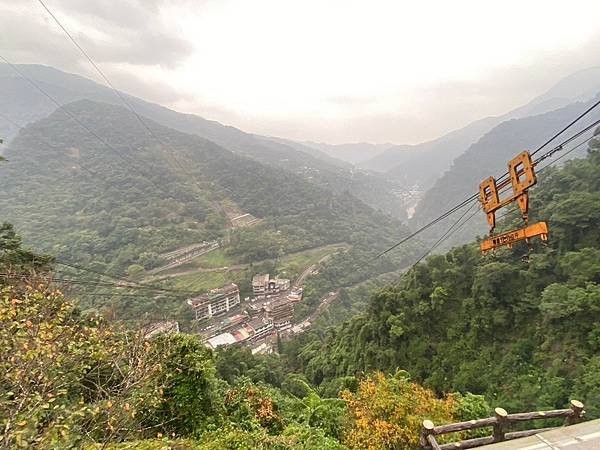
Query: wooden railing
[{"x": 500, "y": 422}]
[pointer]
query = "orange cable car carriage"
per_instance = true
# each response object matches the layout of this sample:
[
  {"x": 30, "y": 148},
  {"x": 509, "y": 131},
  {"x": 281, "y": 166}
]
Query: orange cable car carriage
[{"x": 521, "y": 178}]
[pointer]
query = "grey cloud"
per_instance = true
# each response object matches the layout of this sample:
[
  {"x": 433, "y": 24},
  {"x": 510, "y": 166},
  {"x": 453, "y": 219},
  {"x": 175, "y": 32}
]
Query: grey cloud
[
  {"x": 138, "y": 35},
  {"x": 142, "y": 38},
  {"x": 25, "y": 39},
  {"x": 159, "y": 92},
  {"x": 127, "y": 14}
]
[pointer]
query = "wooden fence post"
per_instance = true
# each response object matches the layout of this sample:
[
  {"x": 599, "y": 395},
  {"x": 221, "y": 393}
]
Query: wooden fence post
[
  {"x": 426, "y": 430},
  {"x": 578, "y": 412},
  {"x": 499, "y": 428}
]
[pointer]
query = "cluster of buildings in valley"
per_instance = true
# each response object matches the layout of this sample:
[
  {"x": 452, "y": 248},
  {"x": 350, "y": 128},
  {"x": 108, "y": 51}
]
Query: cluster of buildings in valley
[
  {"x": 254, "y": 322},
  {"x": 215, "y": 301}
]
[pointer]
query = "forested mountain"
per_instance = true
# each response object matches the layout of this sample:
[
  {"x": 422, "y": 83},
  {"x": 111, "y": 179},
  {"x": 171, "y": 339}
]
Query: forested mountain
[
  {"x": 423, "y": 164},
  {"x": 74, "y": 197},
  {"x": 375, "y": 190},
  {"x": 458, "y": 334},
  {"x": 489, "y": 157},
  {"x": 524, "y": 334},
  {"x": 22, "y": 103}
]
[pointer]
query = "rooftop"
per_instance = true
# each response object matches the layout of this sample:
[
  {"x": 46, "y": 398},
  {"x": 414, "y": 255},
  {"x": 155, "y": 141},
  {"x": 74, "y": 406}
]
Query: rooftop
[
  {"x": 260, "y": 280},
  {"x": 255, "y": 324},
  {"x": 213, "y": 293},
  {"x": 222, "y": 339},
  {"x": 279, "y": 302}
]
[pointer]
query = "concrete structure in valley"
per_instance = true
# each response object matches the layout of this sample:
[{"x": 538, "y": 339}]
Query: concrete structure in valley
[
  {"x": 260, "y": 327},
  {"x": 215, "y": 301},
  {"x": 295, "y": 294},
  {"x": 281, "y": 313},
  {"x": 248, "y": 332},
  {"x": 221, "y": 340},
  {"x": 264, "y": 286}
]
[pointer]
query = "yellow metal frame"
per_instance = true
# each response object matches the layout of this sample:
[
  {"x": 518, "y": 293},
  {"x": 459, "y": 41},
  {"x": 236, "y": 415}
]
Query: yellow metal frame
[
  {"x": 510, "y": 237},
  {"x": 490, "y": 201},
  {"x": 519, "y": 167},
  {"x": 521, "y": 178}
]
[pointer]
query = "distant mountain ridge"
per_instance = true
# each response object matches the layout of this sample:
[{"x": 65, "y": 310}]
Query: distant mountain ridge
[
  {"x": 423, "y": 163},
  {"x": 409, "y": 169},
  {"x": 489, "y": 156},
  {"x": 75, "y": 197},
  {"x": 24, "y": 104}
]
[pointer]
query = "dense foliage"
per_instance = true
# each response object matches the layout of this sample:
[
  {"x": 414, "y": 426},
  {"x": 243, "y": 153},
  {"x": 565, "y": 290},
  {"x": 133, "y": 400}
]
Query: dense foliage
[
  {"x": 118, "y": 208},
  {"x": 524, "y": 334},
  {"x": 72, "y": 381}
]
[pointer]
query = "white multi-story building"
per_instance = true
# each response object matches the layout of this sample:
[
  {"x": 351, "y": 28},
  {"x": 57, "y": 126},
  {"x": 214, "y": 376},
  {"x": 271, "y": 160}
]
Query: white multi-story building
[{"x": 216, "y": 301}]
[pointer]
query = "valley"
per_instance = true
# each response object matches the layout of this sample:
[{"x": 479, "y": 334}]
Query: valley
[{"x": 169, "y": 281}]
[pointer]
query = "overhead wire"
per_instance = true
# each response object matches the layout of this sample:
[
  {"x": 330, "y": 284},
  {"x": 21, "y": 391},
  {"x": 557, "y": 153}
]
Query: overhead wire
[
  {"x": 123, "y": 279},
  {"x": 133, "y": 164},
  {"x": 570, "y": 151},
  {"x": 474, "y": 196},
  {"x": 129, "y": 106},
  {"x": 428, "y": 225},
  {"x": 449, "y": 232},
  {"x": 98, "y": 284},
  {"x": 46, "y": 143},
  {"x": 568, "y": 141},
  {"x": 102, "y": 74},
  {"x": 573, "y": 122}
]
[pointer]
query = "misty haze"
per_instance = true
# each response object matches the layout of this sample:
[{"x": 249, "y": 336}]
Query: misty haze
[{"x": 299, "y": 225}]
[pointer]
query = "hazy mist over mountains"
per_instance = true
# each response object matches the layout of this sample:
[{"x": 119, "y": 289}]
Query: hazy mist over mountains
[
  {"x": 388, "y": 177},
  {"x": 262, "y": 224},
  {"x": 422, "y": 164}
]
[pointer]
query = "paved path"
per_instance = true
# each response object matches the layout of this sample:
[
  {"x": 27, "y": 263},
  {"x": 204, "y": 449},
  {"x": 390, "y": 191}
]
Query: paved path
[{"x": 583, "y": 436}]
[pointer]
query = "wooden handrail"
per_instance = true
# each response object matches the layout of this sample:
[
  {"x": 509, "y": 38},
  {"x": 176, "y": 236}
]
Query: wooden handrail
[
  {"x": 521, "y": 417},
  {"x": 499, "y": 423}
]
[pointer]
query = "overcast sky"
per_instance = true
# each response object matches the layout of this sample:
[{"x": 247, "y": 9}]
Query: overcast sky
[{"x": 325, "y": 70}]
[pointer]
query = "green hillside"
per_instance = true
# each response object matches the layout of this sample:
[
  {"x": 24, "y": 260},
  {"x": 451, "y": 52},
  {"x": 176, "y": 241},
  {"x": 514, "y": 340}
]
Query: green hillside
[
  {"x": 458, "y": 334},
  {"x": 71, "y": 196},
  {"x": 489, "y": 157},
  {"x": 524, "y": 334},
  {"x": 22, "y": 103}
]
